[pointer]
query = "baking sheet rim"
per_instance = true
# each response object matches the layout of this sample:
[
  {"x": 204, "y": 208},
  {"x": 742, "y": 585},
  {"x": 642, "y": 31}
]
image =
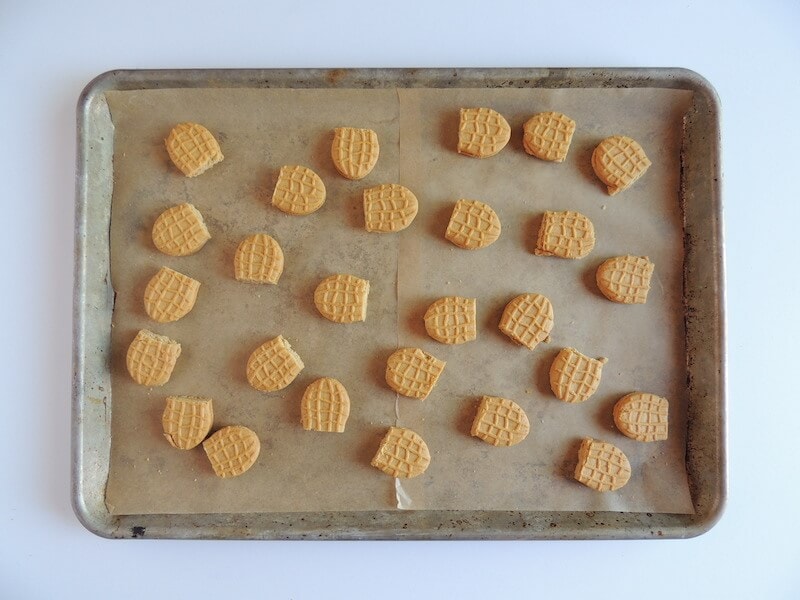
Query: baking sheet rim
[{"x": 391, "y": 524}]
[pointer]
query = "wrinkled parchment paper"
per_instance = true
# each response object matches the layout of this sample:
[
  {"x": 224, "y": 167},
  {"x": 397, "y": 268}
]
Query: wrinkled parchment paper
[{"x": 260, "y": 130}]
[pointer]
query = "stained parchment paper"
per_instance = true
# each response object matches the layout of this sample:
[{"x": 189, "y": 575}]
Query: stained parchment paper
[{"x": 260, "y": 130}]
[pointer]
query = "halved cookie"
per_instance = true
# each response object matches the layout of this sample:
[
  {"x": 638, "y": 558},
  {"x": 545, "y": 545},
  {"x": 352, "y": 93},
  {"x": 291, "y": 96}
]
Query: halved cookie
[
  {"x": 273, "y": 365},
  {"x": 500, "y": 422},
  {"x": 180, "y": 231},
  {"x": 402, "y": 453},
  {"x": 413, "y": 372},
  {"x": 192, "y": 149}
]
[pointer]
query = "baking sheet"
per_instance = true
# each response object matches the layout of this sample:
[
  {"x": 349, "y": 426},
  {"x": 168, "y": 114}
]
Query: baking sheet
[{"x": 298, "y": 471}]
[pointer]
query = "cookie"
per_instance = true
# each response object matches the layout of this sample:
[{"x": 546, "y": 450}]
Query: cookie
[
  {"x": 643, "y": 417},
  {"x": 482, "y": 132},
  {"x": 473, "y": 225},
  {"x": 273, "y": 365},
  {"x": 192, "y": 149},
  {"x": 151, "y": 358},
  {"x": 547, "y": 135},
  {"x": 325, "y": 406},
  {"x": 180, "y": 231},
  {"x": 170, "y": 295},
  {"x": 602, "y": 466},
  {"x": 625, "y": 279},
  {"x": 575, "y": 377},
  {"x": 566, "y": 234},
  {"x": 342, "y": 298},
  {"x": 258, "y": 259},
  {"x": 402, "y": 453},
  {"x": 528, "y": 320},
  {"x": 389, "y": 207},
  {"x": 412, "y": 372},
  {"x": 452, "y": 320},
  {"x": 500, "y": 422},
  {"x": 232, "y": 450},
  {"x": 298, "y": 191},
  {"x": 619, "y": 161},
  {"x": 187, "y": 420},
  {"x": 354, "y": 151}
]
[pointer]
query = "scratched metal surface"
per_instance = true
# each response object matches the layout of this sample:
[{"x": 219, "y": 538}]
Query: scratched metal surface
[{"x": 704, "y": 305}]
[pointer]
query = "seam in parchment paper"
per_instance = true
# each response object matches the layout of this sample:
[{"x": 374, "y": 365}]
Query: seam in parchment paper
[{"x": 403, "y": 500}]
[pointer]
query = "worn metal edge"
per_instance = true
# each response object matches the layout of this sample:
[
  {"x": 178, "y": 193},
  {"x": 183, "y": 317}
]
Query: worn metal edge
[
  {"x": 710, "y": 500},
  {"x": 94, "y": 517},
  {"x": 411, "y": 524}
]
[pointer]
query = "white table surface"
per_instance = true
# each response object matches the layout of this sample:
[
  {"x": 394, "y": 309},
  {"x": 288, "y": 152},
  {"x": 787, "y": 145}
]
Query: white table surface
[{"x": 751, "y": 54}]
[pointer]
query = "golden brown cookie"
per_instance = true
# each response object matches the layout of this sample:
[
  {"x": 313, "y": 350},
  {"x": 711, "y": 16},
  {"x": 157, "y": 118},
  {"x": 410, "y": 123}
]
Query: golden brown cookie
[
  {"x": 192, "y": 149},
  {"x": 187, "y": 420},
  {"x": 473, "y": 225},
  {"x": 389, "y": 207},
  {"x": 566, "y": 234},
  {"x": 151, "y": 358},
  {"x": 354, "y": 151},
  {"x": 273, "y": 365},
  {"x": 642, "y": 416},
  {"x": 575, "y": 377},
  {"x": 232, "y": 450},
  {"x": 482, "y": 132},
  {"x": 602, "y": 466},
  {"x": 402, "y": 453},
  {"x": 325, "y": 406},
  {"x": 413, "y": 372},
  {"x": 452, "y": 320},
  {"x": 299, "y": 191},
  {"x": 619, "y": 161},
  {"x": 625, "y": 279},
  {"x": 342, "y": 298},
  {"x": 528, "y": 320},
  {"x": 547, "y": 135},
  {"x": 170, "y": 295},
  {"x": 500, "y": 422},
  {"x": 180, "y": 231},
  {"x": 258, "y": 259}
]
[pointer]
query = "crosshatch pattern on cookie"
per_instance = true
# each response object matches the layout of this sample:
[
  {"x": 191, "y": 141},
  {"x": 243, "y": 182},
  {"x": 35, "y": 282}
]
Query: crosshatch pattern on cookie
[
  {"x": 548, "y": 136},
  {"x": 389, "y": 207},
  {"x": 232, "y": 450},
  {"x": 575, "y": 377},
  {"x": 299, "y": 190},
  {"x": 528, "y": 319},
  {"x": 452, "y": 320},
  {"x": 602, "y": 466},
  {"x": 354, "y": 151},
  {"x": 402, "y": 453},
  {"x": 258, "y": 259},
  {"x": 273, "y": 365},
  {"x": 170, "y": 295},
  {"x": 325, "y": 406},
  {"x": 643, "y": 417},
  {"x": 151, "y": 358},
  {"x": 619, "y": 161},
  {"x": 180, "y": 231},
  {"x": 482, "y": 132},
  {"x": 566, "y": 234},
  {"x": 342, "y": 298},
  {"x": 473, "y": 225},
  {"x": 413, "y": 372},
  {"x": 626, "y": 279},
  {"x": 187, "y": 420},
  {"x": 192, "y": 148},
  {"x": 500, "y": 422}
]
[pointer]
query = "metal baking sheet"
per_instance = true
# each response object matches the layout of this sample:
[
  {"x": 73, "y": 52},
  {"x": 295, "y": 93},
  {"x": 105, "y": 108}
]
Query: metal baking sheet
[{"x": 703, "y": 302}]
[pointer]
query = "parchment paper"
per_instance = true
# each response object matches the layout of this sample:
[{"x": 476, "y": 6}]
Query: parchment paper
[{"x": 260, "y": 130}]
